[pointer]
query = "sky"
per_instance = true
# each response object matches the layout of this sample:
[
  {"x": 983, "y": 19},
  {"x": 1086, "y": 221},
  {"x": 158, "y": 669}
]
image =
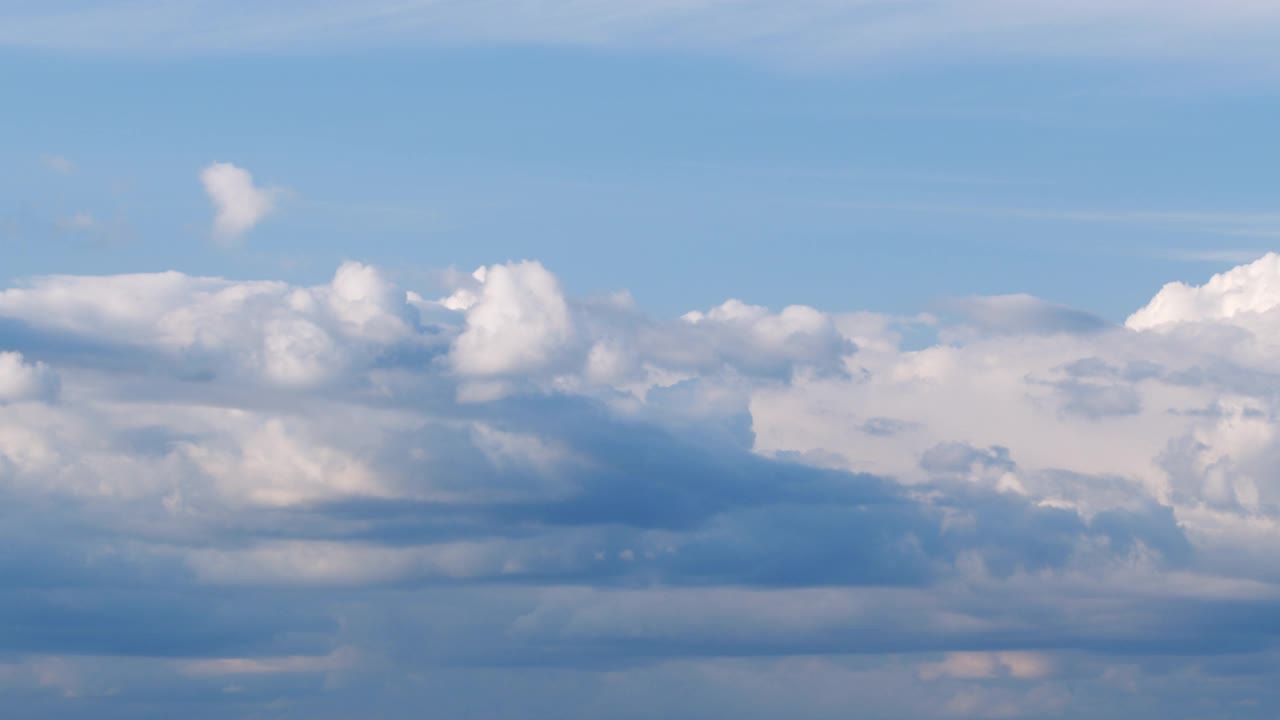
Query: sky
[{"x": 681, "y": 359}]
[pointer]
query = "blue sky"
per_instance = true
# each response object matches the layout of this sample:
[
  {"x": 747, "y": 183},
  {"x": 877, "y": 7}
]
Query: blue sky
[
  {"x": 697, "y": 359},
  {"x": 885, "y": 185}
]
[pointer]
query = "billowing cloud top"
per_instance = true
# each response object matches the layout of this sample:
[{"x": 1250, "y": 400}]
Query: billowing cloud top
[
  {"x": 245, "y": 497},
  {"x": 1246, "y": 290},
  {"x": 265, "y": 331}
]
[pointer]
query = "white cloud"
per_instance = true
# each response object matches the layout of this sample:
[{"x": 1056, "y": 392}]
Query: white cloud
[
  {"x": 517, "y": 321},
  {"x": 21, "y": 380},
  {"x": 1040, "y": 502},
  {"x": 1252, "y": 288},
  {"x": 1174, "y": 418},
  {"x": 238, "y": 205},
  {"x": 262, "y": 330},
  {"x": 754, "y": 339},
  {"x": 336, "y": 660},
  {"x": 267, "y": 462}
]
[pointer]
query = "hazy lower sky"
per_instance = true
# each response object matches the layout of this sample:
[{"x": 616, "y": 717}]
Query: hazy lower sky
[{"x": 662, "y": 359}]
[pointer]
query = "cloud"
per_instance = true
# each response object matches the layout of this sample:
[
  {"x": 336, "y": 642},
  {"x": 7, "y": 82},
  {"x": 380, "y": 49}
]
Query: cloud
[
  {"x": 755, "y": 339},
  {"x": 264, "y": 331},
  {"x": 518, "y": 322},
  {"x": 21, "y": 380},
  {"x": 821, "y": 30},
  {"x": 78, "y": 222},
  {"x": 984, "y": 665},
  {"x": 1252, "y": 289},
  {"x": 1023, "y": 314},
  {"x": 1216, "y": 255},
  {"x": 238, "y": 205},
  {"x": 273, "y": 665},
  {"x": 234, "y": 497},
  {"x": 58, "y": 164}
]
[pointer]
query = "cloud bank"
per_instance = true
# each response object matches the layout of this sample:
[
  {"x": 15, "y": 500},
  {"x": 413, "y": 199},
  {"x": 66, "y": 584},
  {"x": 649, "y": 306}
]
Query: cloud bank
[{"x": 230, "y": 498}]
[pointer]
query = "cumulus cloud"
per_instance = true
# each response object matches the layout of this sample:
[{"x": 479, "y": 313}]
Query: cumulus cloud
[
  {"x": 248, "y": 496},
  {"x": 261, "y": 330},
  {"x": 237, "y": 203},
  {"x": 21, "y": 380},
  {"x": 518, "y": 321},
  {"x": 1249, "y": 289},
  {"x": 752, "y": 337}
]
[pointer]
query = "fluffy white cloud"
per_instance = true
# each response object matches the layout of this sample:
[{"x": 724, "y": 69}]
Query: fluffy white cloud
[
  {"x": 520, "y": 326},
  {"x": 1091, "y": 422},
  {"x": 238, "y": 205},
  {"x": 517, "y": 321},
  {"x": 751, "y": 338},
  {"x": 982, "y": 525},
  {"x": 1251, "y": 289},
  {"x": 21, "y": 380},
  {"x": 264, "y": 330}
]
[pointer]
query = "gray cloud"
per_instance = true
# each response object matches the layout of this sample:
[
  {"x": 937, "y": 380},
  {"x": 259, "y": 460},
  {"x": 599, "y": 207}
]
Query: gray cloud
[
  {"x": 953, "y": 531},
  {"x": 1024, "y": 314}
]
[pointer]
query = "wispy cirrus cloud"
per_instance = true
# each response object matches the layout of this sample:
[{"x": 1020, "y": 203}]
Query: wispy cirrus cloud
[
  {"x": 1264, "y": 224},
  {"x": 58, "y": 163},
  {"x": 814, "y": 29}
]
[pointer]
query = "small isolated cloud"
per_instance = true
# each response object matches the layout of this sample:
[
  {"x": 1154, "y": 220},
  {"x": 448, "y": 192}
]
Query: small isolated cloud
[
  {"x": 340, "y": 658},
  {"x": 58, "y": 164},
  {"x": 238, "y": 205},
  {"x": 77, "y": 221},
  {"x": 984, "y": 665}
]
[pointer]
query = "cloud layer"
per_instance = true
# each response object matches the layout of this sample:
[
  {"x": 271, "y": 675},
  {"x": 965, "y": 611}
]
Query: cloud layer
[{"x": 226, "y": 498}]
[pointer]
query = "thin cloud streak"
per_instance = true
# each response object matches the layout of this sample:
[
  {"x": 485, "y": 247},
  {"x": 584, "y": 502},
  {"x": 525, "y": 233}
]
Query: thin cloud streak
[
  {"x": 1248, "y": 224},
  {"x": 803, "y": 31}
]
